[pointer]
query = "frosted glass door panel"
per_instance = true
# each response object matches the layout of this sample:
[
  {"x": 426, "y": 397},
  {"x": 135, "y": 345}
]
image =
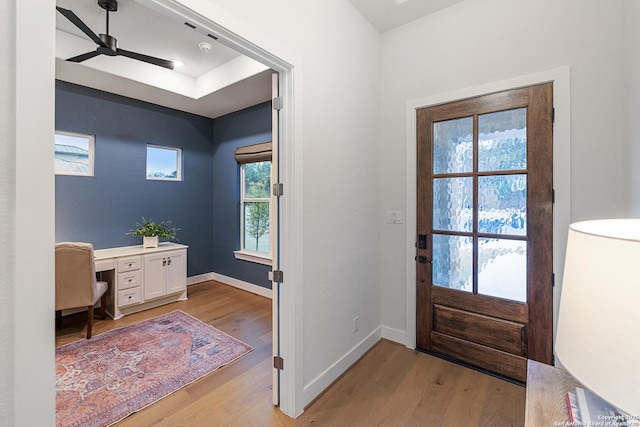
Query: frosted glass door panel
[
  {"x": 453, "y": 204},
  {"x": 453, "y": 146},
  {"x": 502, "y": 268},
  {"x": 502, "y": 140},
  {"x": 502, "y": 204},
  {"x": 453, "y": 262}
]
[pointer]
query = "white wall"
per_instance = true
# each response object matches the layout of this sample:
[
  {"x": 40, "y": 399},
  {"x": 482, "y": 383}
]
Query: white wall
[
  {"x": 7, "y": 223},
  {"x": 478, "y": 42},
  {"x": 631, "y": 94}
]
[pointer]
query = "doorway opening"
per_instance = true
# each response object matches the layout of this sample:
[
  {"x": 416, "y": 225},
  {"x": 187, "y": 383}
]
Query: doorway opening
[{"x": 282, "y": 333}]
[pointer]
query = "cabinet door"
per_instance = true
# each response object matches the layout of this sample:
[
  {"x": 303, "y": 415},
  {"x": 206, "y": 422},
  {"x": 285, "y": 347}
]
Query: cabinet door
[
  {"x": 154, "y": 275},
  {"x": 176, "y": 271}
]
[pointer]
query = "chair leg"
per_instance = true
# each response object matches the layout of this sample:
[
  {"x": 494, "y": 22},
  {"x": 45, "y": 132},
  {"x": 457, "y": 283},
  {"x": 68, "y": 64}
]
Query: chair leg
[
  {"x": 58, "y": 319},
  {"x": 103, "y": 306},
  {"x": 90, "y": 322}
]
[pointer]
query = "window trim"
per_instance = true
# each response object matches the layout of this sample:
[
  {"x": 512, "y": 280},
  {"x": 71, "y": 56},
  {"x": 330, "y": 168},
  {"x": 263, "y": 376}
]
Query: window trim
[
  {"x": 253, "y": 256},
  {"x": 91, "y": 139},
  {"x": 178, "y": 163},
  {"x": 248, "y": 254}
]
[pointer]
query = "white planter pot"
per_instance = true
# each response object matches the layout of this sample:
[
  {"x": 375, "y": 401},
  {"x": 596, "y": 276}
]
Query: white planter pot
[{"x": 150, "y": 242}]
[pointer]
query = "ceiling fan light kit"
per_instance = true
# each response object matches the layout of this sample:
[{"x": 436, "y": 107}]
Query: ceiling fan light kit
[{"x": 107, "y": 44}]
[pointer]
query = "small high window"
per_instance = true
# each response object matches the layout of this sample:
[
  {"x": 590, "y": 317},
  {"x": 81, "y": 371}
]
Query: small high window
[
  {"x": 74, "y": 154},
  {"x": 164, "y": 163}
]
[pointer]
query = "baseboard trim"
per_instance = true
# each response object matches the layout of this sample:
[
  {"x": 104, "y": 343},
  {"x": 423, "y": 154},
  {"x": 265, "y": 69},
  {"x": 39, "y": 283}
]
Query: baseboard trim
[
  {"x": 199, "y": 278},
  {"x": 323, "y": 381},
  {"x": 395, "y": 335},
  {"x": 236, "y": 283}
]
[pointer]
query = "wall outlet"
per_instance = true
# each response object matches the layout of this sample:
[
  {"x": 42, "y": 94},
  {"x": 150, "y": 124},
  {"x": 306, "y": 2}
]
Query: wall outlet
[
  {"x": 394, "y": 217},
  {"x": 356, "y": 324}
]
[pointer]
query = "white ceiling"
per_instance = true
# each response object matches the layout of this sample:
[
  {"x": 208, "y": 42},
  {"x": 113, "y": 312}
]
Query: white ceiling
[
  {"x": 386, "y": 15},
  {"x": 210, "y": 84}
]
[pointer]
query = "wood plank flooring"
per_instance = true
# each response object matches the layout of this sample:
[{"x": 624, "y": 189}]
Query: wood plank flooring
[{"x": 390, "y": 386}]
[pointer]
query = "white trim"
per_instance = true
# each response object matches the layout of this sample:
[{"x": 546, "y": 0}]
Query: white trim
[
  {"x": 236, "y": 283},
  {"x": 392, "y": 334},
  {"x": 246, "y": 286},
  {"x": 561, "y": 78},
  {"x": 31, "y": 373},
  {"x": 205, "y": 277},
  {"x": 333, "y": 372},
  {"x": 257, "y": 257}
]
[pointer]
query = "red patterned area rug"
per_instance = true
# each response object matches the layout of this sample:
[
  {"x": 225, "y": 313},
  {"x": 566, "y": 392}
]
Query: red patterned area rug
[{"x": 102, "y": 380}]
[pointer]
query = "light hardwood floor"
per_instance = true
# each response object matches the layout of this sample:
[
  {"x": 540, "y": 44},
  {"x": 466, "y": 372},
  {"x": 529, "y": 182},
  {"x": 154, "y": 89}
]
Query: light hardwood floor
[{"x": 390, "y": 386}]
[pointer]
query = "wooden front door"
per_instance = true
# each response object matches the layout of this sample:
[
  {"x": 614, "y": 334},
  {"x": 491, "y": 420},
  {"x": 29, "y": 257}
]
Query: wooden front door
[{"x": 485, "y": 223}]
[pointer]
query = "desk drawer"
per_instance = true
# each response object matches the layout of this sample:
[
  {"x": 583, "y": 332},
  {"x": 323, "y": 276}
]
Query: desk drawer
[
  {"x": 129, "y": 264},
  {"x": 129, "y": 279},
  {"x": 105, "y": 265},
  {"x": 129, "y": 297}
]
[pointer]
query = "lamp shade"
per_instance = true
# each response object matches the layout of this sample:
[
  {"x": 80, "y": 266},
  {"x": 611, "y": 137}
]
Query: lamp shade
[{"x": 598, "y": 336}]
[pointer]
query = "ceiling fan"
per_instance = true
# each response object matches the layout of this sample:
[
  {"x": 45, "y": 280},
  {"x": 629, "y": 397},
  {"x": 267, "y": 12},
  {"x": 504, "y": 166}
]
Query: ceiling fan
[{"x": 106, "y": 44}]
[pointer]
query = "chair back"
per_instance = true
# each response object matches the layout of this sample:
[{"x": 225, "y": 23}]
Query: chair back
[{"x": 75, "y": 275}]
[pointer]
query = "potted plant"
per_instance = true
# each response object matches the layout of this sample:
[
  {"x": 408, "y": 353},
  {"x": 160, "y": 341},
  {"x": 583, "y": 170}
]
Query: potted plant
[{"x": 152, "y": 232}]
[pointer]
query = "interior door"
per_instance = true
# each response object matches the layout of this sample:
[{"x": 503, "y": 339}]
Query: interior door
[
  {"x": 484, "y": 245},
  {"x": 273, "y": 231}
]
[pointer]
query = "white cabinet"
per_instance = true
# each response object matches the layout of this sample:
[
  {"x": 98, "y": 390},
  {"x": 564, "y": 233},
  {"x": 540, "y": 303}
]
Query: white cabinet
[
  {"x": 128, "y": 281},
  {"x": 165, "y": 274},
  {"x": 143, "y": 278}
]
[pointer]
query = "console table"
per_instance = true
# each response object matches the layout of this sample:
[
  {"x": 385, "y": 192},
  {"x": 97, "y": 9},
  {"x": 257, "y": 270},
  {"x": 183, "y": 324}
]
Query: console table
[
  {"x": 142, "y": 278},
  {"x": 547, "y": 388}
]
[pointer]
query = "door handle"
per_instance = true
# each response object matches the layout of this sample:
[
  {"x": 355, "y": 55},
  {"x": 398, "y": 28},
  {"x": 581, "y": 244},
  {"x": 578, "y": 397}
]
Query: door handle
[{"x": 423, "y": 259}]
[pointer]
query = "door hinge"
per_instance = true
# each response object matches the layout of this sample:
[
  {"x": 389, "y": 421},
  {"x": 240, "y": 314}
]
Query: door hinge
[
  {"x": 553, "y": 115},
  {"x": 278, "y": 189},
  {"x": 278, "y": 362},
  {"x": 553, "y": 196},
  {"x": 553, "y": 279},
  {"x": 278, "y": 103},
  {"x": 277, "y": 276}
]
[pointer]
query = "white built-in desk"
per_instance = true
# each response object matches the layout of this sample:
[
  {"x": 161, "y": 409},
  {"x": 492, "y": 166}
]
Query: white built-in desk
[{"x": 140, "y": 279}]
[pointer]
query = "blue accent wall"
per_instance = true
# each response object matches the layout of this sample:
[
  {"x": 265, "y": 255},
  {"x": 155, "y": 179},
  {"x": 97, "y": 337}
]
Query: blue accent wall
[
  {"x": 205, "y": 205},
  {"x": 101, "y": 209},
  {"x": 246, "y": 127}
]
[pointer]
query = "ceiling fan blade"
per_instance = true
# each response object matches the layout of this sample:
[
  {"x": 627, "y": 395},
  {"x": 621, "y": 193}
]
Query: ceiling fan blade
[
  {"x": 146, "y": 58},
  {"x": 84, "y": 56},
  {"x": 81, "y": 25}
]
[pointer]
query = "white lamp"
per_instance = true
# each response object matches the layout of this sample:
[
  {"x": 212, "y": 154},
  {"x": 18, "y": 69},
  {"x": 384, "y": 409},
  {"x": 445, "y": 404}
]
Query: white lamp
[{"x": 598, "y": 337}]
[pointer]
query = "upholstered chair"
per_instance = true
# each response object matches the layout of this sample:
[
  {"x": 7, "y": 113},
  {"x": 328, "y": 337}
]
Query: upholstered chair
[{"x": 76, "y": 283}]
